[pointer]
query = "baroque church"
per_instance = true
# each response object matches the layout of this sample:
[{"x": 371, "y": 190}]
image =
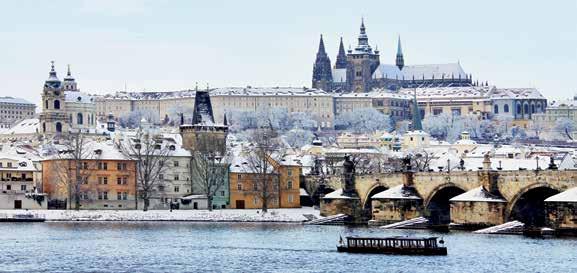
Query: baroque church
[
  {"x": 64, "y": 108},
  {"x": 360, "y": 70}
]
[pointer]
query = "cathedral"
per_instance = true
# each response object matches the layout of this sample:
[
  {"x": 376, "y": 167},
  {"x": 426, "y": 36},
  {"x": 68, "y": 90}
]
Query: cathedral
[
  {"x": 360, "y": 70},
  {"x": 64, "y": 108}
]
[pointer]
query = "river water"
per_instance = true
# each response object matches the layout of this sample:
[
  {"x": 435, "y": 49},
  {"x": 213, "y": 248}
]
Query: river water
[{"x": 258, "y": 247}]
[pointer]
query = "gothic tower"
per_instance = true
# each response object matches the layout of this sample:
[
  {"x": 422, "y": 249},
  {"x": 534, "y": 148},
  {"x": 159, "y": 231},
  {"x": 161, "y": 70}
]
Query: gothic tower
[
  {"x": 342, "y": 57},
  {"x": 203, "y": 135},
  {"x": 53, "y": 115},
  {"x": 400, "y": 61},
  {"x": 322, "y": 75},
  {"x": 69, "y": 83},
  {"x": 361, "y": 63}
]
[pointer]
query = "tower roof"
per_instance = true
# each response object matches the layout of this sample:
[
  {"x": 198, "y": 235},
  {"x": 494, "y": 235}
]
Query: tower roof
[
  {"x": 342, "y": 57},
  {"x": 68, "y": 75},
  {"x": 202, "y": 112},
  {"x": 400, "y": 61},
  {"x": 321, "y": 46},
  {"x": 52, "y": 81},
  {"x": 417, "y": 125},
  {"x": 363, "y": 46},
  {"x": 399, "y": 49}
]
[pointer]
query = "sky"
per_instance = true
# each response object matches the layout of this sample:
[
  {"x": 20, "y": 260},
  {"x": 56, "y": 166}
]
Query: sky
[{"x": 171, "y": 45}]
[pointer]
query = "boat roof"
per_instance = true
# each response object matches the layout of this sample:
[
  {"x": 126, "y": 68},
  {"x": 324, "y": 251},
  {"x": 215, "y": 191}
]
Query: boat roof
[{"x": 392, "y": 238}]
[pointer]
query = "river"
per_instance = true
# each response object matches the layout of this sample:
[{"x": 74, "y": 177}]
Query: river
[{"x": 258, "y": 247}]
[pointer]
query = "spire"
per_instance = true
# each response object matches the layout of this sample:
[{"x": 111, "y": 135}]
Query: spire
[
  {"x": 68, "y": 73},
  {"x": 363, "y": 39},
  {"x": 342, "y": 57},
  {"x": 321, "y": 46},
  {"x": 52, "y": 75},
  {"x": 322, "y": 72},
  {"x": 225, "y": 122},
  {"x": 400, "y": 62},
  {"x": 417, "y": 125}
]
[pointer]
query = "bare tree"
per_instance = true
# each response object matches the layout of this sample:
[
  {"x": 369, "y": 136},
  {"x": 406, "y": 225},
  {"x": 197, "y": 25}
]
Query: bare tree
[
  {"x": 266, "y": 180},
  {"x": 73, "y": 164},
  {"x": 208, "y": 174},
  {"x": 421, "y": 160},
  {"x": 151, "y": 155}
]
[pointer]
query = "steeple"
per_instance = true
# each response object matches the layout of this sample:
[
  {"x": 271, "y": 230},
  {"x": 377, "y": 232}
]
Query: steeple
[
  {"x": 417, "y": 125},
  {"x": 322, "y": 72},
  {"x": 400, "y": 62},
  {"x": 342, "y": 57},
  {"x": 69, "y": 83},
  {"x": 52, "y": 81},
  {"x": 202, "y": 112},
  {"x": 363, "y": 39}
]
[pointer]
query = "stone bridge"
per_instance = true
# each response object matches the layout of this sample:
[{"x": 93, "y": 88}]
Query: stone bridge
[{"x": 507, "y": 195}]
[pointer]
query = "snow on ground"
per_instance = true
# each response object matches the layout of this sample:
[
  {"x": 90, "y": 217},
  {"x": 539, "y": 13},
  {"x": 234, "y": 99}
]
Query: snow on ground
[{"x": 226, "y": 215}]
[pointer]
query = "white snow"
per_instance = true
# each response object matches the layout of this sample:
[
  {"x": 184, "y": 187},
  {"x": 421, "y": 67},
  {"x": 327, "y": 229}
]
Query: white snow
[
  {"x": 477, "y": 195},
  {"x": 226, "y": 215},
  {"x": 338, "y": 194},
  {"x": 397, "y": 192},
  {"x": 569, "y": 195}
]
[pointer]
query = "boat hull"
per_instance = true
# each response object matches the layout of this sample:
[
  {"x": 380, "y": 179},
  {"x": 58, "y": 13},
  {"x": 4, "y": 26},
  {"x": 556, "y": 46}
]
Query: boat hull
[{"x": 395, "y": 251}]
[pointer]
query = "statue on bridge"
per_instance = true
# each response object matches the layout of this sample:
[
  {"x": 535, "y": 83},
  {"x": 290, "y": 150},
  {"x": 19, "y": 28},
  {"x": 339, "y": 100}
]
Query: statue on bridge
[{"x": 348, "y": 182}]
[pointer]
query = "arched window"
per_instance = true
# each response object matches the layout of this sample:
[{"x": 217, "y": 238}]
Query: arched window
[
  {"x": 58, "y": 127},
  {"x": 518, "y": 109},
  {"x": 70, "y": 119},
  {"x": 43, "y": 127},
  {"x": 79, "y": 119},
  {"x": 56, "y": 104},
  {"x": 506, "y": 108},
  {"x": 496, "y": 110},
  {"x": 532, "y": 108},
  {"x": 526, "y": 108},
  {"x": 46, "y": 104}
]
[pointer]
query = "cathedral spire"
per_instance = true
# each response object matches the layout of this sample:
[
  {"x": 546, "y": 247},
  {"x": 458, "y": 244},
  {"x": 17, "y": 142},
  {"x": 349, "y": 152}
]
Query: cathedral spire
[
  {"x": 417, "y": 125},
  {"x": 400, "y": 62},
  {"x": 52, "y": 75},
  {"x": 363, "y": 38},
  {"x": 322, "y": 72},
  {"x": 342, "y": 57}
]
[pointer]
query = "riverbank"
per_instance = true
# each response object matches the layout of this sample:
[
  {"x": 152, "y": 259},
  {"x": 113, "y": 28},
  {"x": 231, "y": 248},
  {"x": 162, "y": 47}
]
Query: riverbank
[{"x": 225, "y": 215}]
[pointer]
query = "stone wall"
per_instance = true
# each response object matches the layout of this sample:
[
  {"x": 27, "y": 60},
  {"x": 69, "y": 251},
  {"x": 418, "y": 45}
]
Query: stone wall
[
  {"x": 395, "y": 210},
  {"x": 562, "y": 216},
  {"x": 477, "y": 215}
]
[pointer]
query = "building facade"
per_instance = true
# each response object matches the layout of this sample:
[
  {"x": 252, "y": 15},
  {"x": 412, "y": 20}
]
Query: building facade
[
  {"x": 19, "y": 183},
  {"x": 13, "y": 110}
]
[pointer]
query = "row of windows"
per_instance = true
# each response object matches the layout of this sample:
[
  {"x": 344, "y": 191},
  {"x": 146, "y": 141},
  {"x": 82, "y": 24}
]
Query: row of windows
[
  {"x": 255, "y": 186},
  {"x": 256, "y": 200},
  {"x": 9, "y": 187},
  {"x": 103, "y": 195},
  {"x": 121, "y": 166}
]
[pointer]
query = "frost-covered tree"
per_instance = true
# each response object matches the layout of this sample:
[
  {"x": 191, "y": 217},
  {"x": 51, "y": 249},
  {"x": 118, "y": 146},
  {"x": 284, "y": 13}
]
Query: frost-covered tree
[
  {"x": 503, "y": 125},
  {"x": 565, "y": 127},
  {"x": 297, "y": 138},
  {"x": 132, "y": 119},
  {"x": 438, "y": 125},
  {"x": 175, "y": 111},
  {"x": 302, "y": 120},
  {"x": 365, "y": 120}
]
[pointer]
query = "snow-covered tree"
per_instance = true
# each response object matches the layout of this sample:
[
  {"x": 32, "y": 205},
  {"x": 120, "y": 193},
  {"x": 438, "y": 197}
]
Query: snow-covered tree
[
  {"x": 302, "y": 120},
  {"x": 297, "y": 138},
  {"x": 565, "y": 127},
  {"x": 132, "y": 119},
  {"x": 438, "y": 125},
  {"x": 175, "y": 111},
  {"x": 365, "y": 120}
]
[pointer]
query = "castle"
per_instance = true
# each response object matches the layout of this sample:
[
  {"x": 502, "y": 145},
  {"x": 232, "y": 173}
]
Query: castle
[{"x": 360, "y": 70}]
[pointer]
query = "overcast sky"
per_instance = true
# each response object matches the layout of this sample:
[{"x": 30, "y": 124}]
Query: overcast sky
[{"x": 170, "y": 45}]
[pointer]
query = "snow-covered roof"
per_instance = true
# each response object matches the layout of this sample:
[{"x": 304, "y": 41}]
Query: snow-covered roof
[
  {"x": 303, "y": 192},
  {"x": 478, "y": 194},
  {"x": 22, "y": 163},
  {"x": 569, "y": 195},
  {"x": 375, "y": 93},
  {"x": 79, "y": 97},
  {"x": 439, "y": 93},
  {"x": 516, "y": 93},
  {"x": 14, "y": 100},
  {"x": 398, "y": 192},
  {"x": 417, "y": 72},
  {"x": 572, "y": 103},
  {"x": 338, "y": 194},
  {"x": 26, "y": 126}
]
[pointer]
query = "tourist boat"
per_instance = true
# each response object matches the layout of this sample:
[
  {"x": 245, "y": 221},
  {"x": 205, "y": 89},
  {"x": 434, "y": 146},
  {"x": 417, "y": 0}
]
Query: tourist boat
[
  {"x": 393, "y": 245},
  {"x": 22, "y": 218}
]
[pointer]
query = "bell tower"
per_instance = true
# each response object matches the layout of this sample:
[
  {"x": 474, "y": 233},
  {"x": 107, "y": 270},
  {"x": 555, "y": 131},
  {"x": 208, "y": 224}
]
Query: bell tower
[
  {"x": 53, "y": 115},
  {"x": 361, "y": 63}
]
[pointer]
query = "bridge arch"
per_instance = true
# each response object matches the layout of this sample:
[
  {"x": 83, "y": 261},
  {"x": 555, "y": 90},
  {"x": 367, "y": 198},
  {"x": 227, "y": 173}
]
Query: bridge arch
[
  {"x": 370, "y": 193},
  {"x": 437, "y": 204},
  {"x": 528, "y": 205}
]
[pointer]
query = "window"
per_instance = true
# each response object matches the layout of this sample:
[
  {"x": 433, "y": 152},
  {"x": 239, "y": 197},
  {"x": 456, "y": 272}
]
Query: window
[
  {"x": 176, "y": 189},
  {"x": 496, "y": 109},
  {"x": 85, "y": 165},
  {"x": 56, "y": 104},
  {"x": 102, "y": 195},
  {"x": 239, "y": 186},
  {"x": 122, "y": 195},
  {"x": 289, "y": 185},
  {"x": 359, "y": 74},
  {"x": 102, "y": 166},
  {"x": 176, "y": 177},
  {"x": 79, "y": 118},
  {"x": 518, "y": 109},
  {"x": 8, "y": 187},
  {"x": 102, "y": 180},
  {"x": 238, "y": 176},
  {"x": 9, "y": 164},
  {"x": 456, "y": 111},
  {"x": 161, "y": 176},
  {"x": 437, "y": 111},
  {"x": 122, "y": 180},
  {"x": 506, "y": 108},
  {"x": 290, "y": 172},
  {"x": 121, "y": 166},
  {"x": 22, "y": 187},
  {"x": 84, "y": 196},
  {"x": 255, "y": 201},
  {"x": 290, "y": 198},
  {"x": 221, "y": 193},
  {"x": 175, "y": 163},
  {"x": 119, "y": 196},
  {"x": 125, "y": 196},
  {"x": 526, "y": 109}
]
